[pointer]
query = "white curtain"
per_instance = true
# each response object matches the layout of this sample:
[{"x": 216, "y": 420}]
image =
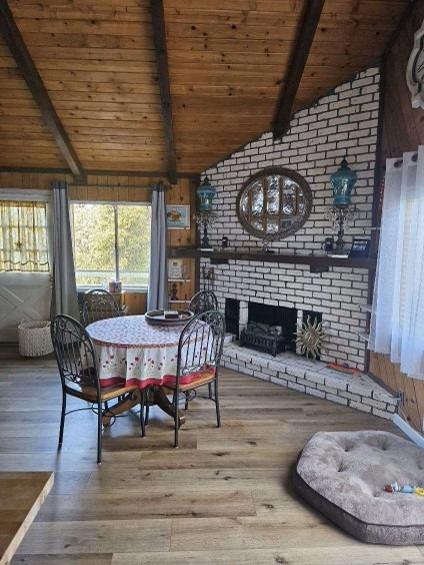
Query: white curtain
[
  {"x": 397, "y": 318},
  {"x": 64, "y": 296},
  {"x": 23, "y": 236},
  {"x": 157, "y": 298}
]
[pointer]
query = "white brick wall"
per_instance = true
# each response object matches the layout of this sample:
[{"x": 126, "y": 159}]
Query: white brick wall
[{"x": 343, "y": 123}]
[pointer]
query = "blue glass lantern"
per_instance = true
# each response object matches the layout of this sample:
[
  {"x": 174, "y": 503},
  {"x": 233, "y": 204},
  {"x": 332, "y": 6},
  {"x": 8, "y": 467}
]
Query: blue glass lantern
[
  {"x": 343, "y": 181},
  {"x": 206, "y": 193}
]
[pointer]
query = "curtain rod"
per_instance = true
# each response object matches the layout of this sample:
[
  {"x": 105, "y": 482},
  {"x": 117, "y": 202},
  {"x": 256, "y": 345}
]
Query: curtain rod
[{"x": 399, "y": 162}]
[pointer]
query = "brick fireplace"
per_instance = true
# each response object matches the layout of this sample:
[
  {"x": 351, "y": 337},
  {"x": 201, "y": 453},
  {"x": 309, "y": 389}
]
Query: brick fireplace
[{"x": 343, "y": 123}]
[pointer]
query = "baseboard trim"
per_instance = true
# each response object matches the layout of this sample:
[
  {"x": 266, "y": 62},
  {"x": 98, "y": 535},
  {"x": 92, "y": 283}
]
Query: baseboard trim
[{"x": 408, "y": 430}]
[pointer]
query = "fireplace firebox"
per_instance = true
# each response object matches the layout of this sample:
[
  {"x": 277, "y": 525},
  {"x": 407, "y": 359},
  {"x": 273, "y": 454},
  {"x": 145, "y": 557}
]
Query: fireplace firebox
[
  {"x": 232, "y": 316},
  {"x": 262, "y": 326}
]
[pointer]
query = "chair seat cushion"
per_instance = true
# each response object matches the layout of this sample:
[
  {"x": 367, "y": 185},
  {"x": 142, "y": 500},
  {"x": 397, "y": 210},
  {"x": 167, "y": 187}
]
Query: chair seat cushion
[
  {"x": 343, "y": 475},
  {"x": 90, "y": 393},
  {"x": 193, "y": 380}
]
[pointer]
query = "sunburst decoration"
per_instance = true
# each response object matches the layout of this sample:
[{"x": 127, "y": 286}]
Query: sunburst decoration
[{"x": 310, "y": 336}]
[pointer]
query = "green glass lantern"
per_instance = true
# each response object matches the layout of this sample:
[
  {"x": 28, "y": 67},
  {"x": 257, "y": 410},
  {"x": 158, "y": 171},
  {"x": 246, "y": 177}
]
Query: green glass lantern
[
  {"x": 206, "y": 193},
  {"x": 343, "y": 181}
]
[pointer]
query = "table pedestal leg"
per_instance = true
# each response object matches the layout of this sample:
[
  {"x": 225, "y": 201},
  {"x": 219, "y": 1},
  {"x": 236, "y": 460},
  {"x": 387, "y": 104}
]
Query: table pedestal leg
[
  {"x": 125, "y": 404},
  {"x": 161, "y": 400},
  {"x": 133, "y": 399}
]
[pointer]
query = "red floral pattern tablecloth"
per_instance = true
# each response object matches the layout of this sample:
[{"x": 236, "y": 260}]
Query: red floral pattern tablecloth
[{"x": 130, "y": 351}]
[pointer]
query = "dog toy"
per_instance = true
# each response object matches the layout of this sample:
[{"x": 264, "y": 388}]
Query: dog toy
[{"x": 405, "y": 489}]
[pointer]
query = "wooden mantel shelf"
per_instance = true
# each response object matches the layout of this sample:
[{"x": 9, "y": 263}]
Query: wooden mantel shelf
[{"x": 317, "y": 261}]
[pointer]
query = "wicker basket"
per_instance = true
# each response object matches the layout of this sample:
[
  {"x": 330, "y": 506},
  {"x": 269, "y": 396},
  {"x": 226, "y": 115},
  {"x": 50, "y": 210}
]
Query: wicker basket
[{"x": 34, "y": 338}]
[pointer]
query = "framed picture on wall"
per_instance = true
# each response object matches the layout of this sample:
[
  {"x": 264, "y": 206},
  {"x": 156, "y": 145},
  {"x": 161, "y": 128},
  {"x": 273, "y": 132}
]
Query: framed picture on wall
[
  {"x": 178, "y": 216},
  {"x": 175, "y": 269},
  {"x": 360, "y": 248}
]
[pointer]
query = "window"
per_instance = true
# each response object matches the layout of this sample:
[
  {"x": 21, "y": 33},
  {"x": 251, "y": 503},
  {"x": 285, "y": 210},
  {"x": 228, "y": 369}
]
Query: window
[
  {"x": 23, "y": 236},
  {"x": 111, "y": 242},
  {"x": 397, "y": 317}
]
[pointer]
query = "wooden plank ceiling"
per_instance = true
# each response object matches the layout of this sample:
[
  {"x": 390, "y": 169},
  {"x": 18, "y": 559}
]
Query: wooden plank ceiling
[{"x": 227, "y": 64}]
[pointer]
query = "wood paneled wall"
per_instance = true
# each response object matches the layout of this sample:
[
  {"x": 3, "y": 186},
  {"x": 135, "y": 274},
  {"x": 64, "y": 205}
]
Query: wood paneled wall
[
  {"x": 403, "y": 126},
  {"x": 124, "y": 189},
  {"x": 402, "y": 130},
  {"x": 185, "y": 193}
]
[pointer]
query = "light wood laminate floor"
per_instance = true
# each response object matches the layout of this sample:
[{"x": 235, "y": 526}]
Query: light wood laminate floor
[{"x": 224, "y": 497}]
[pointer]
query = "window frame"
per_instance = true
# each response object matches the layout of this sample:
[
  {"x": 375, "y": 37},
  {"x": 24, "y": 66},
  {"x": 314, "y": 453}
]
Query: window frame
[{"x": 114, "y": 204}]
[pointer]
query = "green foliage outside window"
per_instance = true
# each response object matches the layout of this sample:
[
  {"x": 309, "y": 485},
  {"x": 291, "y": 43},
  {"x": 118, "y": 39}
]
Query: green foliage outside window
[{"x": 94, "y": 244}]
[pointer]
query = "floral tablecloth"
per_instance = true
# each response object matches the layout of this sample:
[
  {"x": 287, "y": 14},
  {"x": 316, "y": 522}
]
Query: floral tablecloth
[{"x": 131, "y": 352}]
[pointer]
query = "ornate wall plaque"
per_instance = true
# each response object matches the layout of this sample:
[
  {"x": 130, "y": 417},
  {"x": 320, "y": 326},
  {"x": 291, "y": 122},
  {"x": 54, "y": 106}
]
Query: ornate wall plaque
[
  {"x": 274, "y": 203},
  {"x": 415, "y": 70}
]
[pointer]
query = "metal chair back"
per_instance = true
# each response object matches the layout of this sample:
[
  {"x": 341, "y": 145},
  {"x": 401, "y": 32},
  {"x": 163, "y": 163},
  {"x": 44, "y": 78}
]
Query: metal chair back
[
  {"x": 75, "y": 355},
  {"x": 203, "y": 301},
  {"x": 201, "y": 343},
  {"x": 99, "y": 304}
]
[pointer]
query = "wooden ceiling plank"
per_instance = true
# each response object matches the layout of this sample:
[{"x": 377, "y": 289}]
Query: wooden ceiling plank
[
  {"x": 16, "y": 44},
  {"x": 159, "y": 40},
  {"x": 306, "y": 34}
]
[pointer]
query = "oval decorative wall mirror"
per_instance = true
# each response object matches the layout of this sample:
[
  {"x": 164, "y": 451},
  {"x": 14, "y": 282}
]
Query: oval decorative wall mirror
[{"x": 274, "y": 203}]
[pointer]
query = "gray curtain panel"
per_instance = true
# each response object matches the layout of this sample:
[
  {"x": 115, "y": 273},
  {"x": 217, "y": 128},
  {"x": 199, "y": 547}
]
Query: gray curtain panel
[
  {"x": 64, "y": 295},
  {"x": 157, "y": 298}
]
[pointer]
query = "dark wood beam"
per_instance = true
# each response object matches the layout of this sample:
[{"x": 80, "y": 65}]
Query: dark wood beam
[
  {"x": 98, "y": 172},
  {"x": 159, "y": 40},
  {"x": 35, "y": 170},
  {"x": 289, "y": 88},
  {"x": 179, "y": 175},
  {"x": 407, "y": 13},
  {"x": 14, "y": 40}
]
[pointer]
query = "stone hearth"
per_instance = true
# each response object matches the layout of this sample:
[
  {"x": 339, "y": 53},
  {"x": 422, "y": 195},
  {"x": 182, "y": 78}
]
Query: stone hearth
[{"x": 312, "y": 377}]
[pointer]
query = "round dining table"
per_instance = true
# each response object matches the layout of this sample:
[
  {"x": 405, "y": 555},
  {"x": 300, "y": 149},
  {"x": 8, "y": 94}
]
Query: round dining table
[{"x": 131, "y": 352}]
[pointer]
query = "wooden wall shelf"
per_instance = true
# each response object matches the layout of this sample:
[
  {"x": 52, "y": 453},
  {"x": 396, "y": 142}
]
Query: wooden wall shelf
[{"x": 317, "y": 261}]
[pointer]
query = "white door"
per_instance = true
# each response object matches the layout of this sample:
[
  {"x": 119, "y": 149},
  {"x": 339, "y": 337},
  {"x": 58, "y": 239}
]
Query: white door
[{"x": 23, "y": 296}]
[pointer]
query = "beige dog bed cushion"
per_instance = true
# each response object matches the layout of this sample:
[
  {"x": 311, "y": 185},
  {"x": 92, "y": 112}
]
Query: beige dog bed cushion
[{"x": 343, "y": 475}]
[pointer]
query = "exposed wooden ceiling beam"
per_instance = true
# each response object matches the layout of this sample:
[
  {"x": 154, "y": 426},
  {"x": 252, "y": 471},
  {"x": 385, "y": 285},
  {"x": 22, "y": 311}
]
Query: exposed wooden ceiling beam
[
  {"x": 306, "y": 33},
  {"x": 159, "y": 39},
  {"x": 14, "y": 40},
  {"x": 98, "y": 172}
]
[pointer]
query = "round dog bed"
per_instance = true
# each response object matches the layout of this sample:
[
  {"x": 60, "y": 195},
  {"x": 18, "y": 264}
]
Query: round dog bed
[{"x": 343, "y": 475}]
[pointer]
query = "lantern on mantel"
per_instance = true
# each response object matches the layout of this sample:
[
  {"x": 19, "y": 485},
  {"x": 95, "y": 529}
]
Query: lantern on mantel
[
  {"x": 343, "y": 181},
  {"x": 206, "y": 193},
  {"x": 342, "y": 213},
  {"x": 205, "y": 216}
]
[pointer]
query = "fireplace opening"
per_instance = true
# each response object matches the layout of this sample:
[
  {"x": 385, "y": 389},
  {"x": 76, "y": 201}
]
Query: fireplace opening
[
  {"x": 261, "y": 326},
  {"x": 278, "y": 318},
  {"x": 232, "y": 316}
]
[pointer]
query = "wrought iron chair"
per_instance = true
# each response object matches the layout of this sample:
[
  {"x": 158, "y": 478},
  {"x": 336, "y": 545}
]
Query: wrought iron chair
[
  {"x": 76, "y": 360},
  {"x": 199, "y": 354},
  {"x": 99, "y": 304},
  {"x": 203, "y": 301}
]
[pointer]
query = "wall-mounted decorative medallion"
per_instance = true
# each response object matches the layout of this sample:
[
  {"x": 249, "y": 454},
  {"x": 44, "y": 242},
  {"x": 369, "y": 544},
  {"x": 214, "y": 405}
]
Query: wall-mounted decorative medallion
[
  {"x": 274, "y": 203},
  {"x": 415, "y": 70}
]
